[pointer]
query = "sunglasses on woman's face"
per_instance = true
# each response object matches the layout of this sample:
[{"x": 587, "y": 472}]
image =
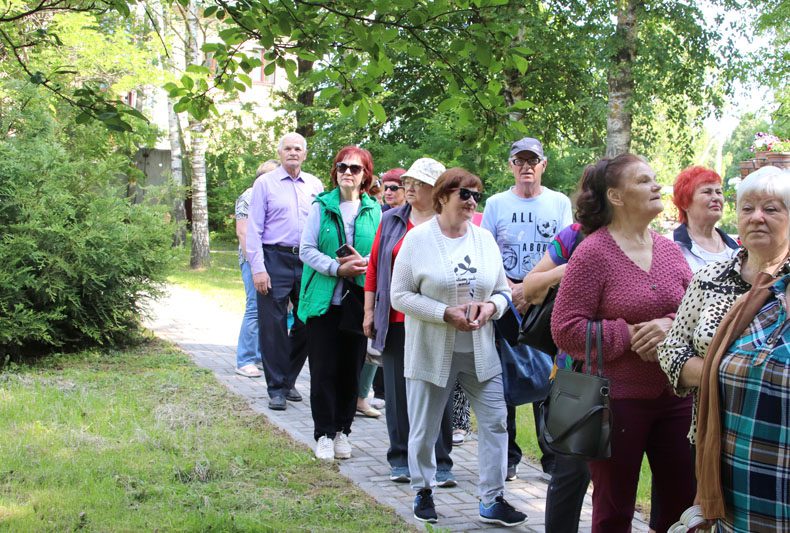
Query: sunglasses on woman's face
[
  {"x": 342, "y": 168},
  {"x": 466, "y": 194},
  {"x": 392, "y": 188}
]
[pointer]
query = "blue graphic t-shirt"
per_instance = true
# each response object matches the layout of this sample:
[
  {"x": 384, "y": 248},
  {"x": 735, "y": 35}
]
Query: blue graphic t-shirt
[{"x": 524, "y": 227}]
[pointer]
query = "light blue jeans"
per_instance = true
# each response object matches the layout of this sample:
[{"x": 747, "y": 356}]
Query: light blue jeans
[{"x": 247, "y": 350}]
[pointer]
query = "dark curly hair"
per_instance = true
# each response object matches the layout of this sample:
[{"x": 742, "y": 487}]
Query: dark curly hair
[{"x": 593, "y": 209}]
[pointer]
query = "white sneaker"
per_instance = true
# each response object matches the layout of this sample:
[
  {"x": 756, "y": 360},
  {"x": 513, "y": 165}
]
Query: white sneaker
[
  {"x": 325, "y": 449},
  {"x": 376, "y": 403},
  {"x": 342, "y": 446}
]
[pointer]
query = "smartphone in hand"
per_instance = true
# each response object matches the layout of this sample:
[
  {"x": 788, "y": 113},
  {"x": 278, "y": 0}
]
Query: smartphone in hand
[{"x": 344, "y": 251}]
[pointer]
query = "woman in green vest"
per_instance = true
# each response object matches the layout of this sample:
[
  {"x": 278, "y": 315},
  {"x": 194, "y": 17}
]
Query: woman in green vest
[{"x": 336, "y": 243}]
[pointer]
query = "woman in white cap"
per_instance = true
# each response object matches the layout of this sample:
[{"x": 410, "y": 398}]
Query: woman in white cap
[{"x": 384, "y": 325}]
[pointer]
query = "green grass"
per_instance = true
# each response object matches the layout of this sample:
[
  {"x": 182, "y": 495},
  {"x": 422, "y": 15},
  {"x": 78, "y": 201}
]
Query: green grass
[
  {"x": 142, "y": 440},
  {"x": 527, "y": 440},
  {"x": 221, "y": 282}
]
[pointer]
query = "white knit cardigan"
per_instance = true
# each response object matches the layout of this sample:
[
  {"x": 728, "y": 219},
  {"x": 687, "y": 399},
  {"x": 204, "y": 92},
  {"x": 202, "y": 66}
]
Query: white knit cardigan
[{"x": 423, "y": 286}]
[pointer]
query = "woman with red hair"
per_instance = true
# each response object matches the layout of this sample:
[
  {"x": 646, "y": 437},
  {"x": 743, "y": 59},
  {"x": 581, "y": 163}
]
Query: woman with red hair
[
  {"x": 336, "y": 243},
  {"x": 698, "y": 196}
]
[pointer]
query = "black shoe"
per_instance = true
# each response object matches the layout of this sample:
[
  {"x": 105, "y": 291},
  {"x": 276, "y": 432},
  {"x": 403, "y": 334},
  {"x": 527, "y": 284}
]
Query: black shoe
[
  {"x": 424, "y": 510},
  {"x": 502, "y": 513},
  {"x": 277, "y": 403},
  {"x": 293, "y": 396},
  {"x": 512, "y": 472}
]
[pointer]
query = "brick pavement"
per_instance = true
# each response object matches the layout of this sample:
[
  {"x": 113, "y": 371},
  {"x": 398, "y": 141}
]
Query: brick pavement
[{"x": 208, "y": 334}]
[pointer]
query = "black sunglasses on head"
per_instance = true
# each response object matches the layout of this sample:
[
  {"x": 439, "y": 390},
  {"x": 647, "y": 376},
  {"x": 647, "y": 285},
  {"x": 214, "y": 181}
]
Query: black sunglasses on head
[
  {"x": 392, "y": 188},
  {"x": 465, "y": 194},
  {"x": 354, "y": 169}
]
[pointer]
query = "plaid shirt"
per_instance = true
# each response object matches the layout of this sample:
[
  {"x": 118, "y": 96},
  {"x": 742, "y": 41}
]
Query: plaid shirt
[{"x": 754, "y": 381}]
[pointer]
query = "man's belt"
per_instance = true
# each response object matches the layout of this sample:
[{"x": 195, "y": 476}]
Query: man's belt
[{"x": 289, "y": 249}]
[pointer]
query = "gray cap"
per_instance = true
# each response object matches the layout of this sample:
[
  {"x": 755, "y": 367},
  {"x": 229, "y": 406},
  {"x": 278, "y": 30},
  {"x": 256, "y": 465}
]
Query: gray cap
[
  {"x": 527, "y": 144},
  {"x": 426, "y": 170}
]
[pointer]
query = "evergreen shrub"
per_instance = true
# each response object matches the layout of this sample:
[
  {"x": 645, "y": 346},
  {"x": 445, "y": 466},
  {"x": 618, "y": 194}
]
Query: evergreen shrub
[{"x": 78, "y": 259}]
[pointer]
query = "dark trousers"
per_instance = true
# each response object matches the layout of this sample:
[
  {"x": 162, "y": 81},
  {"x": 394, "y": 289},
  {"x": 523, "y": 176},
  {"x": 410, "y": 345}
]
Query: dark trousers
[
  {"x": 283, "y": 354},
  {"x": 335, "y": 359},
  {"x": 396, "y": 411},
  {"x": 378, "y": 385},
  {"x": 657, "y": 427},
  {"x": 565, "y": 495}
]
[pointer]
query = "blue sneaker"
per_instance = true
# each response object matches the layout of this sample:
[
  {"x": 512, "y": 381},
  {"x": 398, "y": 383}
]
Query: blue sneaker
[
  {"x": 445, "y": 479},
  {"x": 424, "y": 510},
  {"x": 502, "y": 513},
  {"x": 400, "y": 474}
]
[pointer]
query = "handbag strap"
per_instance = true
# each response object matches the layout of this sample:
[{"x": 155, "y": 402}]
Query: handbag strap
[
  {"x": 599, "y": 346},
  {"x": 512, "y": 307}
]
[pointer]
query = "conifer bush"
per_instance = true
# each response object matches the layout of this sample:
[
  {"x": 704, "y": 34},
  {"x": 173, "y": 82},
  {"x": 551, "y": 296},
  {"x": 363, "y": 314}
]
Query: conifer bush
[{"x": 77, "y": 259}]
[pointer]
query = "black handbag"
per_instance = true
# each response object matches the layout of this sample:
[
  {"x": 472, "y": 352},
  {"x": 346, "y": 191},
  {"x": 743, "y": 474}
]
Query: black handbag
[
  {"x": 535, "y": 328},
  {"x": 352, "y": 303},
  {"x": 577, "y": 419},
  {"x": 352, "y": 307}
]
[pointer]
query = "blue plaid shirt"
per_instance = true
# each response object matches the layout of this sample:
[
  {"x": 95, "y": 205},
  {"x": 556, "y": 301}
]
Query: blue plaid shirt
[{"x": 754, "y": 381}]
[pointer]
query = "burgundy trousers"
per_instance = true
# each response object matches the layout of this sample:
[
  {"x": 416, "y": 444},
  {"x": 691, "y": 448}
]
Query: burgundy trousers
[{"x": 658, "y": 428}]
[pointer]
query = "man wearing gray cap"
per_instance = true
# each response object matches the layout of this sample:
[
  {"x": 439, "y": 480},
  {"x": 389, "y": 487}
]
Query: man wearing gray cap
[{"x": 524, "y": 220}]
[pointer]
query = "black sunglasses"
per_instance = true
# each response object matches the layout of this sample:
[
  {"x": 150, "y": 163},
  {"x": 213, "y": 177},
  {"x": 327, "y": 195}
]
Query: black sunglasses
[
  {"x": 392, "y": 188},
  {"x": 466, "y": 194},
  {"x": 354, "y": 169}
]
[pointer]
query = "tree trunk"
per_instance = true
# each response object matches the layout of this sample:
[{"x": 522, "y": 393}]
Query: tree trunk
[
  {"x": 304, "y": 123},
  {"x": 621, "y": 80},
  {"x": 177, "y": 176},
  {"x": 200, "y": 257}
]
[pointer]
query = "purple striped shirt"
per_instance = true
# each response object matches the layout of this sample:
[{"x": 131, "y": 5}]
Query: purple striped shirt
[{"x": 278, "y": 211}]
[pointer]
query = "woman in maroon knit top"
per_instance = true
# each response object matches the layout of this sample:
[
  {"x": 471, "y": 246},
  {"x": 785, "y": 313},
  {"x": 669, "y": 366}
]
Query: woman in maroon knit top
[{"x": 632, "y": 280}]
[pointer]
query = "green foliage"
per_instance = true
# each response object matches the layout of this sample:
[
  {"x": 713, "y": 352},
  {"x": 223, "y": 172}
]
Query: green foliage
[
  {"x": 234, "y": 153},
  {"x": 77, "y": 258}
]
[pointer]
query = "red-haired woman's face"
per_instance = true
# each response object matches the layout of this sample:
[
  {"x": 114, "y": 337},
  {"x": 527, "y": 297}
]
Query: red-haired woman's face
[
  {"x": 350, "y": 172},
  {"x": 707, "y": 204}
]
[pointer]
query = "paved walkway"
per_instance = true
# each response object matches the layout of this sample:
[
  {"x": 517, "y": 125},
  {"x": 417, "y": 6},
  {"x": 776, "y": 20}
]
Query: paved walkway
[{"x": 208, "y": 334}]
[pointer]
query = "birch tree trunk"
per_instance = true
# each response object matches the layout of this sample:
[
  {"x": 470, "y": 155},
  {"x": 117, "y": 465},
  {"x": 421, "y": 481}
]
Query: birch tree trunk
[
  {"x": 621, "y": 80},
  {"x": 176, "y": 175},
  {"x": 200, "y": 256}
]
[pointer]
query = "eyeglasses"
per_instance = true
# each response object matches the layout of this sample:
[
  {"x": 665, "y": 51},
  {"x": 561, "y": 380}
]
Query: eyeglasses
[
  {"x": 410, "y": 183},
  {"x": 532, "y": 161},
  {"x": 393, "y": 188},
  {"x": 466, "y": 194},
  {"x": 342, "y": 168}
]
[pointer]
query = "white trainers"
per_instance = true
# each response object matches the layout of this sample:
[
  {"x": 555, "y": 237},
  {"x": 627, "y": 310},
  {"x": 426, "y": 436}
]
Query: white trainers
[
  {"x": 342, "y": 446},
  {"x": 249, "y": 371},
  {"x": 325, "y": 449}
]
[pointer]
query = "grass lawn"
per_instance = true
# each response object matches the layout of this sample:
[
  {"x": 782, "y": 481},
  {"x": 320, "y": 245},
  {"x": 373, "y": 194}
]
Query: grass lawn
[
  {"x": 527, "y": 440},
  {"x": 142, "y": 440},
  {"x": 221, "y": 282}
]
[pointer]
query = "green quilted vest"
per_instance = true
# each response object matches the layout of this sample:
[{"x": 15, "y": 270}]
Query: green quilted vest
[{"x": 316, "y": 291}]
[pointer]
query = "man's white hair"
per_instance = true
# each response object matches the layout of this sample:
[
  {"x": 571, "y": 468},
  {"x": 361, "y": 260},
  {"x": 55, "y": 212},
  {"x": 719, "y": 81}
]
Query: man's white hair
[
  {"x": 292, "y": 134},
  {"x": 769, "y": 180}
]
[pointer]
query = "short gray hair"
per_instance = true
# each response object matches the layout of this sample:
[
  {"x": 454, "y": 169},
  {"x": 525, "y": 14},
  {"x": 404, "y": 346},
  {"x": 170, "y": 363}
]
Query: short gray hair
[
  {"x": 768, "y": 180},
  {"x": 292, "y": 134}
]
